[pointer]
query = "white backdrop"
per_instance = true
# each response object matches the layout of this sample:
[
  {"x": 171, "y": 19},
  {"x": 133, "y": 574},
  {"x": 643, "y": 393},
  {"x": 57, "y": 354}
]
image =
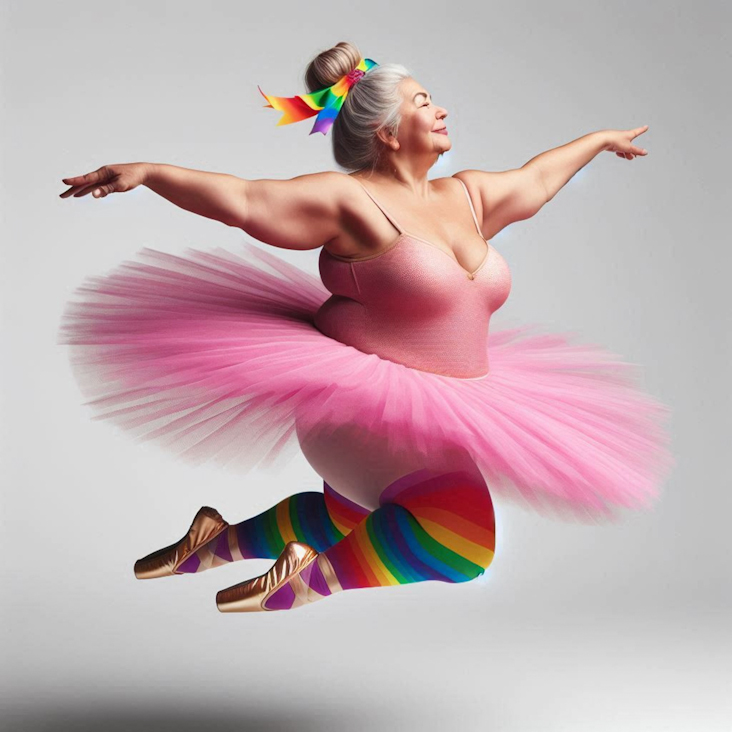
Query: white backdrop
[{"x": 615, "y": 627}]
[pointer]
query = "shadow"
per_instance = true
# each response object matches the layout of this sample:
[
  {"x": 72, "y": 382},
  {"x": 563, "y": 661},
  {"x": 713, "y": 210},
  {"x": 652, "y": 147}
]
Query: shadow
[{"x": 117, "y": 718}]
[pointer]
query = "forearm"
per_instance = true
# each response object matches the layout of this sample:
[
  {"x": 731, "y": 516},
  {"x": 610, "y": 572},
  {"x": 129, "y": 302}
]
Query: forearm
[
  {"x": 555, "y": 167},
  {"x": 217, "y": 196}
]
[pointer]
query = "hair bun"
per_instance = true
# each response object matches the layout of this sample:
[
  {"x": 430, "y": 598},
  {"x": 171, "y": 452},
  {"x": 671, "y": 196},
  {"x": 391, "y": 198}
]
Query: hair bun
[{"x": 329, "y": 66}]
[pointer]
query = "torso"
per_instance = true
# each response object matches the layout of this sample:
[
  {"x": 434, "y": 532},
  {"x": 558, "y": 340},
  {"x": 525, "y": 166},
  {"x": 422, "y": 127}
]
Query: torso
[
  {"x": 411, "y": 300},
  {"x": 444, "y": 222}
]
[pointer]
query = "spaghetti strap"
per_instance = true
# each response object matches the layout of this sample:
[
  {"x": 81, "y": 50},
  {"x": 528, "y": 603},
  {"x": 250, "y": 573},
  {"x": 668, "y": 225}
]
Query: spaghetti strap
[
  {"x": 381, "y": 208},
  {"x": 472, "y": 210}
]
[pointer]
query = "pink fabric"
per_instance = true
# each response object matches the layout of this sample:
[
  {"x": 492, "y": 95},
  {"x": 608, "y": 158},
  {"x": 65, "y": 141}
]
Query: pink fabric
[
  {"x": 415, "y": 304},
  {"x": 218, "y": 357}
]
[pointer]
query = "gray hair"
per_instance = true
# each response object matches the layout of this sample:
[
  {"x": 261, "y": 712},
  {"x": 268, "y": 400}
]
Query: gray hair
[{"x": 372, "y": 104}]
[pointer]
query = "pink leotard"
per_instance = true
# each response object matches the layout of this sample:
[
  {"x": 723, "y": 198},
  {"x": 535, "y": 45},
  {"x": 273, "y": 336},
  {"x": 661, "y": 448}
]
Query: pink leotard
[{"x": 413, "y": 303}]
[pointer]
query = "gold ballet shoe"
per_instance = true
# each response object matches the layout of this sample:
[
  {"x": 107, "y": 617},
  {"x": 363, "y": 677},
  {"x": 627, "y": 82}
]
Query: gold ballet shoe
[
  {"x": 207, "y": 525},
  {"x": 252, "y": 595}
]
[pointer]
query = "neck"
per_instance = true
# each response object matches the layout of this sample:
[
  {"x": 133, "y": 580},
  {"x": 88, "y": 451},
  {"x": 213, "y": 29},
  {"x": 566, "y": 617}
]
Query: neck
[{"x": 407, "y": 172}]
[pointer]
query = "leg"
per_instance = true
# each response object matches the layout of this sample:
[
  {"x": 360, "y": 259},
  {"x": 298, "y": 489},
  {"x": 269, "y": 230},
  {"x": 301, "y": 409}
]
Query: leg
[
  {"x": 317, "y": 519},
  {"x": 362, "y": 464},
  {"x": 429, "y": 526}
]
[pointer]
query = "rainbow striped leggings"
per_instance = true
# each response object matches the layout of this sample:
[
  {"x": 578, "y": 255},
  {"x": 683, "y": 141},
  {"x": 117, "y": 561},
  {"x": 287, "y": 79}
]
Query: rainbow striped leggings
[{"x": 428, "y": 526}]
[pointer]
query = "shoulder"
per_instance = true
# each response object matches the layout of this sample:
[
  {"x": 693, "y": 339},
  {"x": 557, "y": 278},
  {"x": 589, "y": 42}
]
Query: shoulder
[
  {"x": 329, "y": 193},
  {"x": 495, "y": 187},
  {"x": 477, "y": 183},
  {"x": 331, "y": 181},
  {"x": 327, "y": 181},
  {"x": 503, "y": 197},
  {"x": 451, "y": 185},
  {"x": 342, "y": 189},
  {"x": 334, "y": 179}
]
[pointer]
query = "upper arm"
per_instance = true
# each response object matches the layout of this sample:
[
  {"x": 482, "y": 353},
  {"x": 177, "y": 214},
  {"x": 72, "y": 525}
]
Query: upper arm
[
  {"x": 299, "y": 213},
  {"x": 504, "y": 197}
]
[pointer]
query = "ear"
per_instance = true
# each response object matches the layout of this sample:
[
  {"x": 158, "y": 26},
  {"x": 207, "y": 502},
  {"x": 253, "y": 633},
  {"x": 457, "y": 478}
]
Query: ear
[{"x": 387, "y": 137}]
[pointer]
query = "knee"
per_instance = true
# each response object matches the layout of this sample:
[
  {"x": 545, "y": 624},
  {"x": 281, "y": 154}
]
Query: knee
[
  {"x": 456, "y": 550},
  {"x": 456, "y": 510},
  {"x": 345, "y": 513},
  {"x": 476, "y": 568},
  {"x": 485, "y": 560}
]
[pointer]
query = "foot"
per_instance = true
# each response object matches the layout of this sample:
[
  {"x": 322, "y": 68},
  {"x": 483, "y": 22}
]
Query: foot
[
  {"x": 207, "y": 525},
  {"x": 296, "y": 578}
]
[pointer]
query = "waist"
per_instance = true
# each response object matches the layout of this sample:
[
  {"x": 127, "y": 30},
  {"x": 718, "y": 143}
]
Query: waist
[{"x": 454, "y": 348}]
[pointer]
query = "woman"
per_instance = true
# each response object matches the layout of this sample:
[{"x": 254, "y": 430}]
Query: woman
[{"x": 384, "y": 377}]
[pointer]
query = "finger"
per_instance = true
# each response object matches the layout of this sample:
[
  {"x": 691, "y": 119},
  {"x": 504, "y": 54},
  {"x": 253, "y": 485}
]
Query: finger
[
  {"x": 102, "y": 191},
  {"x": 87, "y": 178},
  {"x": 96, "y": 176},
  {"x": 84, "y": 190},
  {"x": 639, "y": 130},
  {"x": 70, "y": 191},
  {"x": 635, "y": 151}
]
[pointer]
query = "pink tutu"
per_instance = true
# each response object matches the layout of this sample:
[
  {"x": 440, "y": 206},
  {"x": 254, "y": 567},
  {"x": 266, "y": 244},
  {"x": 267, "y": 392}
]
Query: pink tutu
[{"x": 216, "y": 357}]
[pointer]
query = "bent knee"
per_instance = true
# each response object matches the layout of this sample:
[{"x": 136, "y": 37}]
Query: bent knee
[{"x": 480, "y": 565}]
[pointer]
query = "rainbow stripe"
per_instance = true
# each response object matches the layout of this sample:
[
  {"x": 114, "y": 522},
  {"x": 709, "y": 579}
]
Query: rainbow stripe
[
  {"x": 301, "y": 517},
  {"x": 429, "y": 527},
  {"x": 454, "y": 508},
  {"x": 325, "y": 103},
  {"x": 344, "y": 513}
]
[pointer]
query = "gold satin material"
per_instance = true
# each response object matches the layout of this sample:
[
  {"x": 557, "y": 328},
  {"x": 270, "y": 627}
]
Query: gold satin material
[
  {"x": 329, "y": 574},
  {"x": 250, "y": 596},
  {"x": 207, "y": 525}
]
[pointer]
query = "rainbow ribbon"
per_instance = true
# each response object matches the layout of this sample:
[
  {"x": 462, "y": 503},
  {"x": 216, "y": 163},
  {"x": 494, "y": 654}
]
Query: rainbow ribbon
[{"x": 326, "y": 103}]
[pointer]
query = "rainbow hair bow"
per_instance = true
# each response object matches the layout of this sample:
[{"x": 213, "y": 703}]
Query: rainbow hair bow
[{"x": 326, "y": 103}]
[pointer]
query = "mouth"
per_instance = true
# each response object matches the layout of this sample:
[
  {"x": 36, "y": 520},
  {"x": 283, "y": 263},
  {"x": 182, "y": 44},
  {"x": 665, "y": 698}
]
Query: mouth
[{"x": 442, "y": 131}]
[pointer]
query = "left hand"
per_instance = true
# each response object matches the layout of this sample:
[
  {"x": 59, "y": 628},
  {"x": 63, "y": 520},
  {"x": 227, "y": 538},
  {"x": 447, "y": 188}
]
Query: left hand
[{"x": 620, "y": 142}]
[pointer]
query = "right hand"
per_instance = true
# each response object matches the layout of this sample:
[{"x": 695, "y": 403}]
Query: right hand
[{"x": 108, "y": 179}]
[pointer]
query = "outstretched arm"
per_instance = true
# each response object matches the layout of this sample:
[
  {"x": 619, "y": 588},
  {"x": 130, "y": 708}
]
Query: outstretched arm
[
  {"x": 556, "y": 167},
  {"x": 217, "y": 196},
  {"x": 501, "y": 198},
  {"x": 301, "y": 213}
]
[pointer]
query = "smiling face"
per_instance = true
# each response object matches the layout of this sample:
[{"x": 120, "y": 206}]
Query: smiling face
[{"x": 422, "y": 129}]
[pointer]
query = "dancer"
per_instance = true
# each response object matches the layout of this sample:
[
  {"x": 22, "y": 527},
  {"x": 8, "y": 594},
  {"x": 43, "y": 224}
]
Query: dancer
[{"x": 384, "y": 373}]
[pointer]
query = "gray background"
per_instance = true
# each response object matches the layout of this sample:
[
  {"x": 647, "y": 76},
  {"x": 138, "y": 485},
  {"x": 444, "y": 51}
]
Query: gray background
[{"x": 615, "y": 627}]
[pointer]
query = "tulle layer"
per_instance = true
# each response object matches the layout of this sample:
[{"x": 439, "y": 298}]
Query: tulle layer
[{"x": 215, "y": 356}]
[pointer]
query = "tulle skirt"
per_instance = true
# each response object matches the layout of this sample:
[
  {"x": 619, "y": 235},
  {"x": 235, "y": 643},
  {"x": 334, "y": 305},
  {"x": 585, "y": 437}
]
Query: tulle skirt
[{"x": 215, "y": 357}]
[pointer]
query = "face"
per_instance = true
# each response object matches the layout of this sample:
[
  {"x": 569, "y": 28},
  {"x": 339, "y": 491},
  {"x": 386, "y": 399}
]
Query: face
[{"x": 422, "y": 128}]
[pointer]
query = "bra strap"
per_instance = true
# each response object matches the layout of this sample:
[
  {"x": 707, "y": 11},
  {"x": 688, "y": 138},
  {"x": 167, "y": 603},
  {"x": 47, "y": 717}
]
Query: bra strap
[
  {"x": 472, "y": 210},
  {"x": 381, "y": 208}
]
